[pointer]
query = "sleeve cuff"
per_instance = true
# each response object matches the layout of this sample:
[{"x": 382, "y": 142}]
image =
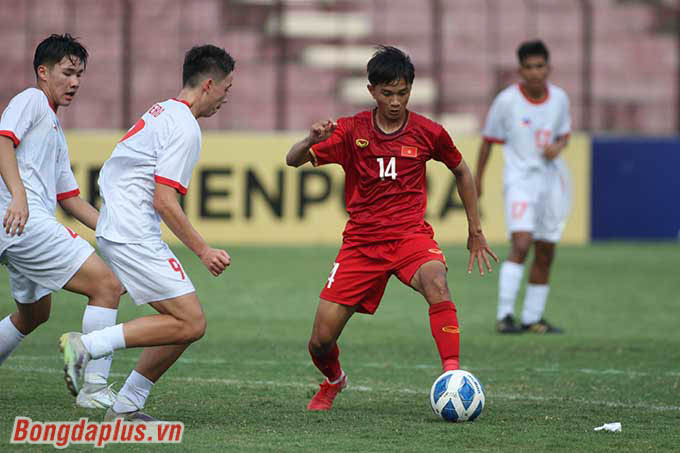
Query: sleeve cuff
[
  {"x": 313, "y": 157},
  {"x": 69, "y": 194},
  {"x": 493, "y": 140},
  {"x": 11, "y": 136},
  {"x": 169, "y": 182}
]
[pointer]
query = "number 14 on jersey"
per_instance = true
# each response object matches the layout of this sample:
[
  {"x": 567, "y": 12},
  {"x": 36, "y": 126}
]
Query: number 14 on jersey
[{"x": 389, "y": 171}]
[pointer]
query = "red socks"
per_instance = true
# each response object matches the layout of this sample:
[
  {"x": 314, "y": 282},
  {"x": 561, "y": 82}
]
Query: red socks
[
  {"x": 444, "y": 326},
  {"x": 328, "y": 364}
]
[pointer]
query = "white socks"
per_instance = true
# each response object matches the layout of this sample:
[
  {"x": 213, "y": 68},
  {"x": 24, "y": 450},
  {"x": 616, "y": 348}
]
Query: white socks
[
  {"x": 534, "y": 303},
  {"x": 96, "y": 318},
  {"x": 10, "y": 338},
  {"x": 133, "y": 394},
  {"x": 508, "y": 286},
  {"x": 103, "y": 342}
]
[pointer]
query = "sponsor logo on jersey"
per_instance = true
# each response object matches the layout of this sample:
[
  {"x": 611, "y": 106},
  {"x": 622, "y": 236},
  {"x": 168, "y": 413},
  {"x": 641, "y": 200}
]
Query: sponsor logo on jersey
[
  {"x": 409, "y": 151},
  {"x": 361, "y": 142},
  {"x": 156, "y": 110},
  {"x": 450, "y": 329}
]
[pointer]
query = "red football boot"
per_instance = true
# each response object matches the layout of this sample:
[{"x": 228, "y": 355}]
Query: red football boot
[{"x": 323, "y": 400}]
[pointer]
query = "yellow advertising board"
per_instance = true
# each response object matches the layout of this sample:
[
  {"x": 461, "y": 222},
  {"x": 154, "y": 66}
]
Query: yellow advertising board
[{"x": 242, "y": 192}]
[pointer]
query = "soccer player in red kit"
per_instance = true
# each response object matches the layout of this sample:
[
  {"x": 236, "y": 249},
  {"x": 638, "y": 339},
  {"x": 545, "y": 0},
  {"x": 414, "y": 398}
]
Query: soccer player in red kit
[{"x": 384, "y": 152}]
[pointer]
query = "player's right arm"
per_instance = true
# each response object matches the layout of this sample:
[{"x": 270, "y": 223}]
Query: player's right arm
[
  {"x": 482, "y": 159},
  {"x": 166, "y": 204},
  {"x": 16, "y": 215},
  {"x": 299, "y": 153},
  {"x": 494, "y": 132}
]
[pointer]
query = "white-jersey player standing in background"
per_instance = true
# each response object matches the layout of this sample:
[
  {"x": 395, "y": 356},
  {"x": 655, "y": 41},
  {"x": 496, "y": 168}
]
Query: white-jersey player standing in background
[
  {"x": 139, "y": 185},
  {"x": 41, "y": 254},
  {"x": 532, "y": 120}
]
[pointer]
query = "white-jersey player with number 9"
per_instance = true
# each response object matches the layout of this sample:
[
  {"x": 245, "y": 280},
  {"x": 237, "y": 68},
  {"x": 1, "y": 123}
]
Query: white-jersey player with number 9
[
  {"x": 139, "y": 185},
  {"x": 532, "y": 120}
]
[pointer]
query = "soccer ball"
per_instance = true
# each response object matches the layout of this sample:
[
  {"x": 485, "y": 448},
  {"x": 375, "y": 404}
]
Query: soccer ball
[{"x": 457, "y": 396}]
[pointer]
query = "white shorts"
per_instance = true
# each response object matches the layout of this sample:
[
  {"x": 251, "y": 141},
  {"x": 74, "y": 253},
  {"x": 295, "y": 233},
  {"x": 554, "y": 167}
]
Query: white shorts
[
  {"x": 43, "y": 259},
  {"x": 149, "y": 271},
  {"x": 539, "y": 204}
]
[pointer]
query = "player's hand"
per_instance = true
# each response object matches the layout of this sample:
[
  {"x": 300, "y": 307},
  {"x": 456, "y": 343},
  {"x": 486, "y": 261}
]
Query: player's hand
[
  {"x": 552, "y": 151},
  {"x": 321, "y": 130},
  {"x": 479, "y": 251},
  {"x": 16, "y": 216},
  {"x": 215, "y": 260}
]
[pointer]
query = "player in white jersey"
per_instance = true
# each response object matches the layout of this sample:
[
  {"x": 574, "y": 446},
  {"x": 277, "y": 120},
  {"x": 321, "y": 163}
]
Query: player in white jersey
[
  {"x": 532, "y": 120},
  {"x": 139, "y": 185},
  {"x": 42, "y": 255}
]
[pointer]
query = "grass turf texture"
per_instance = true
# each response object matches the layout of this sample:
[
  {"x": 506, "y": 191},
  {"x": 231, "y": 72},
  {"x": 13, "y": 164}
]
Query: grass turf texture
[{"x": 245, "y": 385}]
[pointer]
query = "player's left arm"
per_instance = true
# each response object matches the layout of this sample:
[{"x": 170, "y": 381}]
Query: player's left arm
[
  {"x": 166, "y": 204},
  {"x": 81, "y": 210},
  {"x": 476, "y": 244},
  {"x": 553, "y": 150},
  {"x": 562, "y": 130}
]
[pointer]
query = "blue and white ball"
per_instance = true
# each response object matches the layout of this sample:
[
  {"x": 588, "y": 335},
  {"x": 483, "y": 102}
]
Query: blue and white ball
[{"x": 457, "y": 396}]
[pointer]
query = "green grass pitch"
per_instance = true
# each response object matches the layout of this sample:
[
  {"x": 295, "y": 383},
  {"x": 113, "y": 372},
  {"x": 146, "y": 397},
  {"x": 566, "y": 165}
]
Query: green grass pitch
[{"x": 245, "y": 385}]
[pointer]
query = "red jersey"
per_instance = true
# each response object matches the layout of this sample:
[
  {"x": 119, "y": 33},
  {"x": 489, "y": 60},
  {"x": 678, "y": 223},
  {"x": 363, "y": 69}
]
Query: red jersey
[{"x": 385, "y": 189}]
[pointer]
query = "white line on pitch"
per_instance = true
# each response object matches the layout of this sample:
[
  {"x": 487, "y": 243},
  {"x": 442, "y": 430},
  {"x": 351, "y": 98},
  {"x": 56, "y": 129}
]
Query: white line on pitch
[
  {"x": 603, "y": 372},
  {"x": 360, "y": 388}
]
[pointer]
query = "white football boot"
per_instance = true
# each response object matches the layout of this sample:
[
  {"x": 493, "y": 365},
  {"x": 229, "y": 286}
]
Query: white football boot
[
  {"x": 75, "y": 360},
  {"x": 96, "y": 396}
]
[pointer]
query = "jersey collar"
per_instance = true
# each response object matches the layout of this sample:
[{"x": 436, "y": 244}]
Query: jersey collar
[
  {"x": 391, "y": 135},
  {"x": 182, "y": 101},
  {"x": 535, "y": 101}
]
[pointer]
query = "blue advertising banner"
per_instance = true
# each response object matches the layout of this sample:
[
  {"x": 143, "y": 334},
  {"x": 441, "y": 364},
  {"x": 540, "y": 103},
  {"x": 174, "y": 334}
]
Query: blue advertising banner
[{"x": 635, "y": 188}]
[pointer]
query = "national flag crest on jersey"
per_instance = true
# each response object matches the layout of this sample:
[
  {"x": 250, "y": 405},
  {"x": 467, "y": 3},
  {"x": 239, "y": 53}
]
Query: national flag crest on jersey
[
  {"x": 526, "y": 122},
  {"x": 409, "y": 151}
]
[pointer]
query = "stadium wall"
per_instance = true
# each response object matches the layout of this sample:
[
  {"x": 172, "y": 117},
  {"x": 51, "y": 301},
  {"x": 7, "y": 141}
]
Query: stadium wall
[
  {"x": 636, "y": 188},
  {"x": 242, "y": 192}
]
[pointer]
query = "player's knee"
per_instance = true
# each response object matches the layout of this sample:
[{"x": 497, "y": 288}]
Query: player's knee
[
  {"x": 520, "y": 250},
  {"x": 440, "y": 284},
  {"x": 437, "y": 287},
  {"x": 114, "y": 287},
  {"x": 196, "y": 329},
  {"x": 319, "y": 345},
  {"x": 543, "y": 259},
  {"x": 109, "y": 291}
]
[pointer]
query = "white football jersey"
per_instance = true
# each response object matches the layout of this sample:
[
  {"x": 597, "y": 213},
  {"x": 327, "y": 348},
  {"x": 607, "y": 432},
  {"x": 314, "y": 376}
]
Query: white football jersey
[
  {"x": 527, "y": 126},
  {"x": 41, "y": 151},
  {"x": 162, "y": 147}
]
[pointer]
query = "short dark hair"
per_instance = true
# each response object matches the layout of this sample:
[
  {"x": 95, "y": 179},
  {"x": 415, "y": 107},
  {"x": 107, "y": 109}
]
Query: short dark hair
[
  {"x": 54, "y": 48},
  {"x": 206, "y": 60},
  {"x": 531, "y": 48},
  {"x": 389, "y": 64}
]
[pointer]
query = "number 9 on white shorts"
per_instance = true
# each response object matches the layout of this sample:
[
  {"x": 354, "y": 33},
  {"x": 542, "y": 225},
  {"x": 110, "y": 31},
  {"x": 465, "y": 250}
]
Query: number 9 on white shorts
[{"x": 149, "y": 271}]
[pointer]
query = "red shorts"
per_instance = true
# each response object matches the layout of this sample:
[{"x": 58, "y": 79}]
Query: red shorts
[{"x": 360, "y": 273}]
